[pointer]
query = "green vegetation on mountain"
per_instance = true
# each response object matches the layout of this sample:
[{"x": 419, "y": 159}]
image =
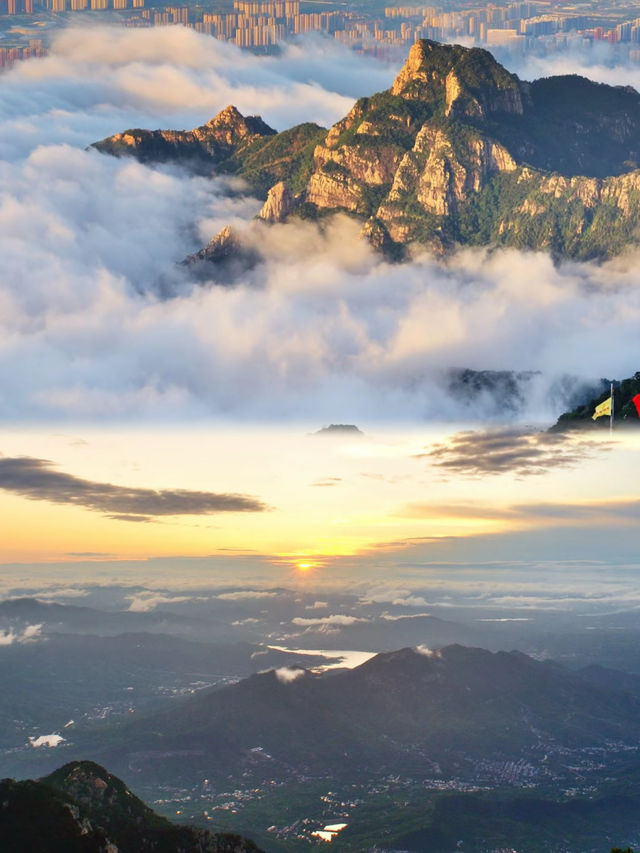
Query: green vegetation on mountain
[{"x": 287, "y": 156}]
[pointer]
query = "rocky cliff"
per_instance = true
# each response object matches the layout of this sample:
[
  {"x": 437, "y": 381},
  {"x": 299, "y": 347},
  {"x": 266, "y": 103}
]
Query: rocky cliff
[{"x": 458, "y": 150}]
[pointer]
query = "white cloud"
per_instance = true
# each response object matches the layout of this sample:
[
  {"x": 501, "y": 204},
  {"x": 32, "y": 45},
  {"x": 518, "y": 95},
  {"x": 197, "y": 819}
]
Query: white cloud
[
  {"x": 286, "y": 675},
  {"x": 603, "y": 64},
  {"x": 29, "y": 634},
  {"x": 46, "y": 740},
  {"x": 336, "y": 620},
  {"x": 317, "y": 605},
  {"x": 427, "y": 652},
  {"x": 410, "y": 601},
  {"x": 246, "y": 595},
  {"x": 259, "y": 654},
  {"x": 398, "y": 596},
  {"x": 391, "y": 617},
  {"x": 61, "y": 592},
  {"x": 100, "y": 80},
  {"x": 146, "y": 601}
]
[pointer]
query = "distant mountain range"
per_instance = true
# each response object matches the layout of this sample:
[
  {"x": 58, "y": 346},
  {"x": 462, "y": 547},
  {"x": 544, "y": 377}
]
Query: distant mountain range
[
  {"x": 71, "y": 618},
  {"x": 458, "y": 151},
  {"x": 81, "y": 808},
  {"x": 406, "y": 712}
]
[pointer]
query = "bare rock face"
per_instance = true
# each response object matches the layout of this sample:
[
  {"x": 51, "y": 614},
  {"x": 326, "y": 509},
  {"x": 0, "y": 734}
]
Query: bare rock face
[
  {"x": 453, "y": 91},
  {"x": 279, "y": 204},
  {"x": 415, "y": 71},
  {"x": 383, "y": 159},
  {"x": 342, "y": 174},
  {"x": 335, "y": 190},
  {"x": 440, "y": 176},
  {"x": 352, "y": 118}
]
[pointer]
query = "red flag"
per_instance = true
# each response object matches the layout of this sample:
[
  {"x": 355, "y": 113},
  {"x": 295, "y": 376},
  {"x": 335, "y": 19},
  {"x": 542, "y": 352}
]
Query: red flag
[{"x": 636, "y": 402}]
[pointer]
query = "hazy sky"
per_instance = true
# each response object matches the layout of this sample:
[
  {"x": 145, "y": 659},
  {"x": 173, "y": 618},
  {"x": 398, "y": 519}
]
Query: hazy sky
[
  {"x": 134, "y": 401},
  {"x": 277, "y": 505}
]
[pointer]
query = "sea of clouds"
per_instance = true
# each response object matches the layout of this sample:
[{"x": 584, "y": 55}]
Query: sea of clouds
[{"x": 98, "y": 320}]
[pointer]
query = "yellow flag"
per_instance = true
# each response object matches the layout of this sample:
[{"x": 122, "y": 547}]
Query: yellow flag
[{"x": 602, "y": 409}]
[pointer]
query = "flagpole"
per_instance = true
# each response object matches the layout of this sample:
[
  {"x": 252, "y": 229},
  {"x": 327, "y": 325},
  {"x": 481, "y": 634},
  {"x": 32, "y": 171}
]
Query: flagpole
[{"x": 611, "y": 412}]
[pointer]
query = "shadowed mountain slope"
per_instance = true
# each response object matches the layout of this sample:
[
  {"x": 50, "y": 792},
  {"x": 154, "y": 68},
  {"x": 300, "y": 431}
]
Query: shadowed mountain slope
[{"x": 401, "y": 712}]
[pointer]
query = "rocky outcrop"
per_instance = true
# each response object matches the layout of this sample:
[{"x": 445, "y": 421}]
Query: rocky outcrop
[
  {"x": 342, "y": 174},
  {"x": 229, "y": 253},
  {"x": 440, "y": 176},
  {"x": 279, "y": 204}
]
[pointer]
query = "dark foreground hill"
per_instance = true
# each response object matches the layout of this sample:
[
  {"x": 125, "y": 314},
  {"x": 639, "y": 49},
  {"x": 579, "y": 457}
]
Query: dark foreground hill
[
  {"x": 81, "y": 808},
  {"x": 459, "y": 150}
]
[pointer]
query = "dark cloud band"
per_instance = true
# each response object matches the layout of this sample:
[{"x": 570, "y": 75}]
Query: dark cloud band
[
  {"x": 510, "y": 450},
  {"x": 37, "y": 479}
]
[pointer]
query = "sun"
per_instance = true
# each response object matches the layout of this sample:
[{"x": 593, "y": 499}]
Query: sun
[{"x": 305, "y": 567}]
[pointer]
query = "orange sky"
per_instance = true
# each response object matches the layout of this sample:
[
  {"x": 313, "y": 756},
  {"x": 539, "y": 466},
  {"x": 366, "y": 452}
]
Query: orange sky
[{"x": 323, "y": 496}]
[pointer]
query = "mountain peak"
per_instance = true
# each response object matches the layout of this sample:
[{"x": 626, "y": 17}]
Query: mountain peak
[
  {"x": 234, "y": 126},
  {"x": 472, "y": 80},
  {"x": 83, "y": 807},
  {"x": 416, "y": 68},
  {"x": 94, "y": 787},
  {"x": 228, "y": 115}
]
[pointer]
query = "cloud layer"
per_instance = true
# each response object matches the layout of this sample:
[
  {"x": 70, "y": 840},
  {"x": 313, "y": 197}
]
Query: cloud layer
[{"x": 99, "y": 80}]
